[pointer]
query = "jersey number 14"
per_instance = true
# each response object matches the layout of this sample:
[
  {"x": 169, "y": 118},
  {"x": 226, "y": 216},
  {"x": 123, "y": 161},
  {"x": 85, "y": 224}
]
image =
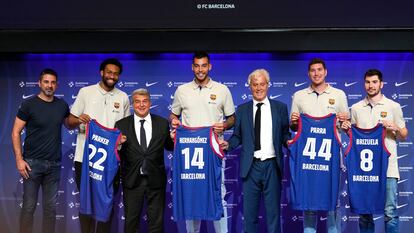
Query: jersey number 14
[{"x": 197, "y": 159}]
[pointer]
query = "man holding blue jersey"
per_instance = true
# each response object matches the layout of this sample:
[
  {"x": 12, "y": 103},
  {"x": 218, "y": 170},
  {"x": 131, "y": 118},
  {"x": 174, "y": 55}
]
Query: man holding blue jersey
[{"x": 373, "y": 109}]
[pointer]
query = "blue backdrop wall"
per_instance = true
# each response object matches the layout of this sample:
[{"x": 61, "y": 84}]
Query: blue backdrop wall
[{"x": 161, "y": 73}]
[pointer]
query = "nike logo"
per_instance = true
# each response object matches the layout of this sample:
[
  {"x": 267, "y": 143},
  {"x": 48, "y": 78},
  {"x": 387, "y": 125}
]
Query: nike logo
[
  {"x": 75, "y": 193},
  {"x": 323, "y": 218},
  {"x": 246, "y": 84},
  {"x": 123, "y": 217},
  {"x": 404, "y": 106},
  {"x": 402, "y": 181},
  {"x": 274, "y": 96},
  {"x": 75, "y": 217},
  {"x": 172, "y": 97},
  {"x": 299, "y": 84},
  {"x": 153, "y": 106},
  {"x": 376, "y": 218},
  {"x": 400, "y": 84},
  {"x": 27, "y": 96},
  {"x": 73, "y": 144},
  {"x": 401, "y": 206},
  {"x": 349, "y": 84},
  {"x": 74, "y": 96},
  {"x": 402, "y": 156},
  {"x": 150, "y": 84},
  {"x": 347, "y": 206}
]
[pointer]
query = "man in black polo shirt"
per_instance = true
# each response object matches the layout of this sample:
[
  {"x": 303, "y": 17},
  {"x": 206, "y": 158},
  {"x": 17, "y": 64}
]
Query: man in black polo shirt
[{"x": 39, "y": 163}]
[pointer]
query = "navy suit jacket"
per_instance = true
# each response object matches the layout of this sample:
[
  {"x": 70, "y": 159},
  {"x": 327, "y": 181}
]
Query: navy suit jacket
[{"x": 244, "y": 134}]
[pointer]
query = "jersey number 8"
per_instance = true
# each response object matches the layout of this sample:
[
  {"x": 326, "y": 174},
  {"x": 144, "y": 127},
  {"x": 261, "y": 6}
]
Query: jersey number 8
[{"x": 366, "y": 156}]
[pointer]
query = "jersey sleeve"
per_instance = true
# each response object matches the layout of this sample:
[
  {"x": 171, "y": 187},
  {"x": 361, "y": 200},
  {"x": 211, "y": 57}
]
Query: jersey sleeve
[
  {"x": 399, "y": 119},
  {"x": 78, "y": 106},
  {"x": 127, "y": 106},
  {"x": 354, "y": 119},
  {"x": 176, "y": 107},
  {"x": 343, "y": 103},
  {"x": 295, "y": 106},
  {"x": 228, "y": 104}
]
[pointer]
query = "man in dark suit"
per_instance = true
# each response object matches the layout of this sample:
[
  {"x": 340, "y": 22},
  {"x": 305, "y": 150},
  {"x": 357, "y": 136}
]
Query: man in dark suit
[
  {"x": 262, "y": 127},
  {"x": 143, "y": 173}
]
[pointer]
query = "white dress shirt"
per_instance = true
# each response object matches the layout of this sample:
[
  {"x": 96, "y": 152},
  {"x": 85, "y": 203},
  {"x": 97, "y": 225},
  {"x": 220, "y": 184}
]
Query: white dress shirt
[
  {"x": 147, "y": 127},
  {"x": 267, "y": 150}
]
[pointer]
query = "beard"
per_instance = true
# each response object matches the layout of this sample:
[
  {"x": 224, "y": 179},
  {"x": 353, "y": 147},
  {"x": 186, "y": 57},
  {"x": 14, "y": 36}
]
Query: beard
[
  {"x": 48, "y": 92},
  {"x": 373, "y": 94},
  {"x": 105, "y": 81}
]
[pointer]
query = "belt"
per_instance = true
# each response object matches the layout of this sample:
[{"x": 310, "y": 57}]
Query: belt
[{"x": 259, "y": 160}]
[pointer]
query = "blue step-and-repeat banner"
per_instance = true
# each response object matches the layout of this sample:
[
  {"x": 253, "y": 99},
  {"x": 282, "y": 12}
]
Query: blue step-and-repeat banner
[{"x": 162, "y": 73}]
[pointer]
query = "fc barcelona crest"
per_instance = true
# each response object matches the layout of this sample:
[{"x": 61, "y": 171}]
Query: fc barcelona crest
[
  {"x": 383, "y": 114},
  {"x": 331, "y": 101},
  {"x": 213, "y": 97},
  {"x": 116, "y": 105}
]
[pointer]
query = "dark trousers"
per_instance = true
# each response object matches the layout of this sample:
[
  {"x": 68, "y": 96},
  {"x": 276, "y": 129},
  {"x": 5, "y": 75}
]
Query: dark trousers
[
  {"x": 88, "y": 224},
  {"x": 46, "y": 174},
  {"x": 263, "y": 178},
  {"x": 133, "y": 201}
]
